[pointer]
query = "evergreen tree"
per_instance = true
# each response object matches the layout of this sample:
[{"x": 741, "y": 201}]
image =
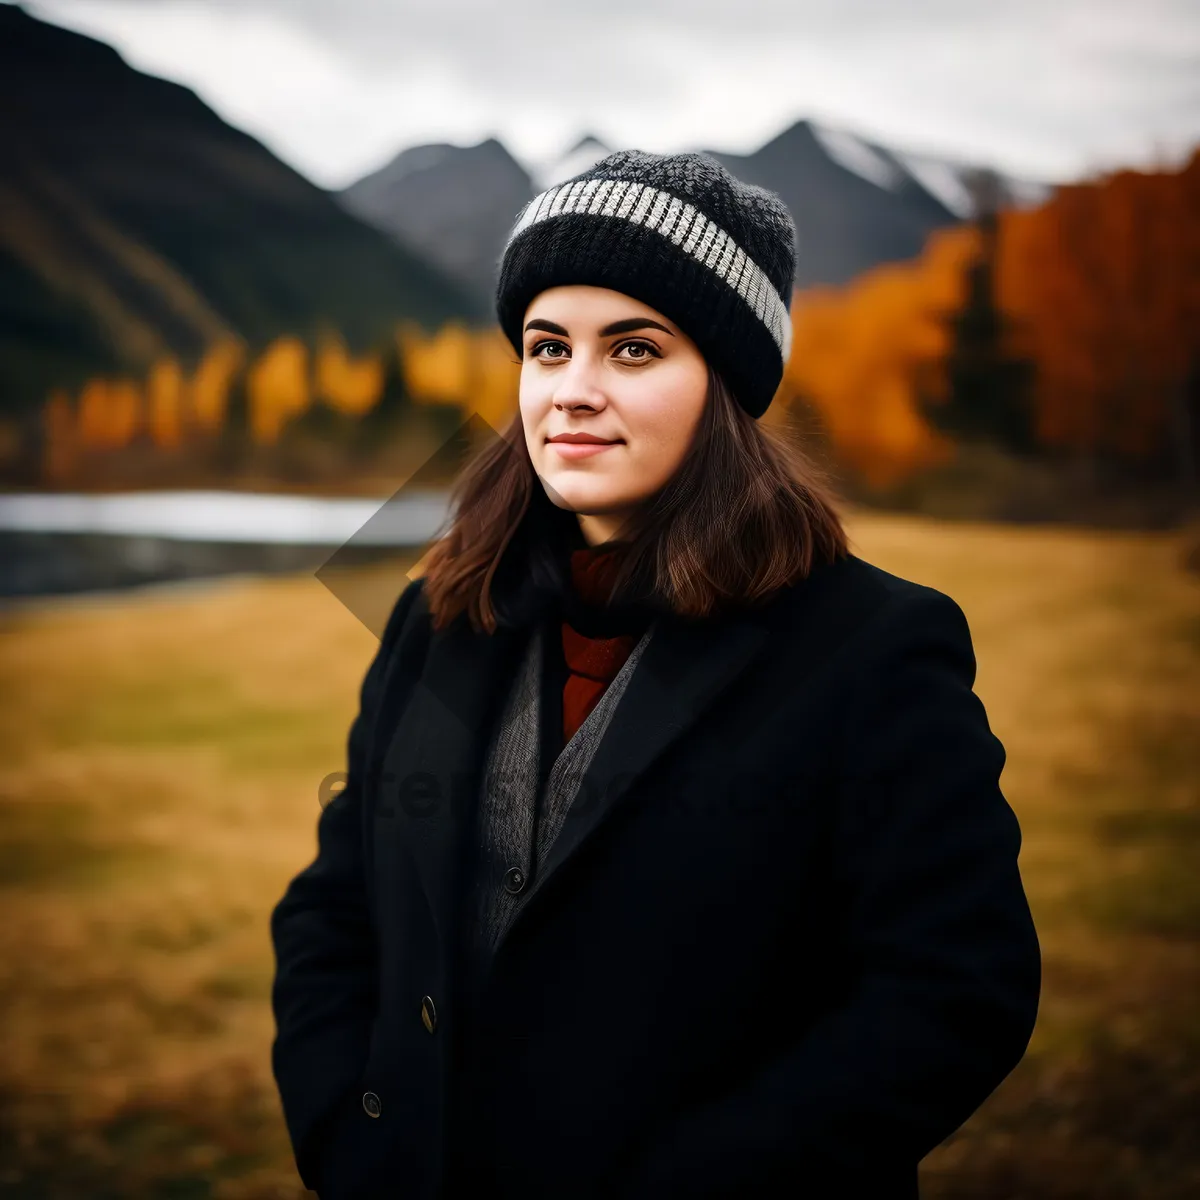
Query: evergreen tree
[
  {"x": 232, "y": 451},
  {"x": 990, "y": 391},
  {"x": 384, "y": 418}
]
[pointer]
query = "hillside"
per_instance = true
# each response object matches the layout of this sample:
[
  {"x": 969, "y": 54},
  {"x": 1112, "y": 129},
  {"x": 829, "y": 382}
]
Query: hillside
[
  {"x": 453, "y": 203},
  {"x": 135, "y": 223}
]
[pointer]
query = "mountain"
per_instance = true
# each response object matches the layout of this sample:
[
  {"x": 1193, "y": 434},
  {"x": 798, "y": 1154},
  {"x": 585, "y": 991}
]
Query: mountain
[
  {"x": 454, "y": 204},
  {"x": 585, "y": 153},
  {"x": 135, "y": 223},
  {"x": 952, "y": 182},
  {"x": 854, "y": 205}
]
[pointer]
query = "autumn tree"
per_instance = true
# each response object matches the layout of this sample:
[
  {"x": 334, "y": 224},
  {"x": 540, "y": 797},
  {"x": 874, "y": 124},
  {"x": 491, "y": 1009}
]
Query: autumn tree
[
  {"x": 867, "y": 357},
  {"x": 1103, "y": 285}
]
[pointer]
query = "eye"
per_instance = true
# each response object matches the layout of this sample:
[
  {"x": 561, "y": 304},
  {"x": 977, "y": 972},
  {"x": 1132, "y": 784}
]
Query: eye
[
  {"x": 538, "y": 347},
  {"x": 648, "y": 351}
]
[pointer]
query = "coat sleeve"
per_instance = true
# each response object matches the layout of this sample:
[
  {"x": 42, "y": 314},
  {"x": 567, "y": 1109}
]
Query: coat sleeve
[
  {"x": 946, "y": 964},
  {"x": 325, "y": 985}
]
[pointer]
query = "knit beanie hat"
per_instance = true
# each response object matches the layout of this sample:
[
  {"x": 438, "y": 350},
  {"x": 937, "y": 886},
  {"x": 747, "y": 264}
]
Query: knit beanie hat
[{"x": 679, "y": 233}]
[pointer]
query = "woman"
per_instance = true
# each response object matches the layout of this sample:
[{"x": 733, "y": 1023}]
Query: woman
[{"x": 672, "y": 859}]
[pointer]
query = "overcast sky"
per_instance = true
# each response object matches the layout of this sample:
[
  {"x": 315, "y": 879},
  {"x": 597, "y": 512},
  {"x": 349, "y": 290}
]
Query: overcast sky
[{"x": 1047, "y": 89}]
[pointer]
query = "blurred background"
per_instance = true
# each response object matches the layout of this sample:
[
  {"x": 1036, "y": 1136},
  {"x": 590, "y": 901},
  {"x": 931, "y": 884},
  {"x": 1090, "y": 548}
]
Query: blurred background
[{"x": 246, "y": 339}]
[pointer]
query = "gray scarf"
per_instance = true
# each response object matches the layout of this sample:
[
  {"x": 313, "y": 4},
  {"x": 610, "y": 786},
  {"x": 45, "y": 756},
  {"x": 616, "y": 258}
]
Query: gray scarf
[{"x": 515, "y": 827}]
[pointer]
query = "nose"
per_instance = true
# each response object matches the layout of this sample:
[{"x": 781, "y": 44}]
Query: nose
[{"x": 578, "y": 386}]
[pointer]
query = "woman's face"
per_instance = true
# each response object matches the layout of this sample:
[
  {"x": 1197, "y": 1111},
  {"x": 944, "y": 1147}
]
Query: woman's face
[{"x": 598, "y": 363}]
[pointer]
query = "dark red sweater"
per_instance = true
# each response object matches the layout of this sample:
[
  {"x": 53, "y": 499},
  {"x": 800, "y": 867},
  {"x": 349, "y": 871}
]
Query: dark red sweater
[{"x": 591, "y": 662}]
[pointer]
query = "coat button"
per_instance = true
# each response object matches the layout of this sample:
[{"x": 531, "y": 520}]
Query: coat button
[
  {"x": 371, "y": 1105},
  {"x": 428, "y": 1013},
  {"x": 514, "y": 880}
]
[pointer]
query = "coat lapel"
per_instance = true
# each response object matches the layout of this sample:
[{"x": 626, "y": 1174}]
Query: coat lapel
[
  {"x": 434, "y": 759},
  {"x": 683, "y": 669},
  {"x": 441, "y": 739}
]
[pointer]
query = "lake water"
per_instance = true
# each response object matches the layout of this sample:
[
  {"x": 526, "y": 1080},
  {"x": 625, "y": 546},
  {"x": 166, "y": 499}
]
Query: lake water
[{"x": 68, "y": 542}]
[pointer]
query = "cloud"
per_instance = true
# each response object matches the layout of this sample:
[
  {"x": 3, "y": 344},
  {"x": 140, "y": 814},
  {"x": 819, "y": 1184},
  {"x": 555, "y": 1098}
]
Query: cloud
[{"x": 1040, "y": 90}]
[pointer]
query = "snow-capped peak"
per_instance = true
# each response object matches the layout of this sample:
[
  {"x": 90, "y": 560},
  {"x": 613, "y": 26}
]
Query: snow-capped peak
[{"x": 856, "y": 155}]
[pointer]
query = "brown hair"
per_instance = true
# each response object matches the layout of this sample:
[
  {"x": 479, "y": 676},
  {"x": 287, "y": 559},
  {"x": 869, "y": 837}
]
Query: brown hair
[{"x": 746, "y": 513}]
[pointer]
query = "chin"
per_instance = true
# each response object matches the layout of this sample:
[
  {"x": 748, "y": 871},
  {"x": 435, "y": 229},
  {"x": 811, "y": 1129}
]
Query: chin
[{"x": 577, "y": 496}]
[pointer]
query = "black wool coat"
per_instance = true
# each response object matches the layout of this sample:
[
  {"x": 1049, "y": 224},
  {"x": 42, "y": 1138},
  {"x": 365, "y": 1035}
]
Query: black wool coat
[{"x": 780, "y": 947}]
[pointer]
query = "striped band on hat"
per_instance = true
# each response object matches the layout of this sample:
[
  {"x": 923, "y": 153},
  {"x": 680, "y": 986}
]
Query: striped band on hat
[{"x": 686, "y": 226}]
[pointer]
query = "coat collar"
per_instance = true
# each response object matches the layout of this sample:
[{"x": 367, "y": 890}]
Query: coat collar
[{"x": 435, "y": 756}]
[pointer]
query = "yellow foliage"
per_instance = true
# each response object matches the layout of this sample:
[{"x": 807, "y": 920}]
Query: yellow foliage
[
  {"x": 473, "y": 369},
  {"x": 858, "y": 351},
  {"x": 351, "y": 385},
  {"x": 211, "y": 382},
  {"x": 497, "y": 378},
  {"x": 439, "y": 368},
  {"x": 277, "y": 387}
]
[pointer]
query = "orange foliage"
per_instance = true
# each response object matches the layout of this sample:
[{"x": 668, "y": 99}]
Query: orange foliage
[
  {"x": 164, "y": 403},
  {"x": 351, "y": 385},
  {"x": 857, "y": 352},
  {"x": 1101, "y": 285},
  {"x": 60, "y": 432},
  {"x": 1104, "y": 285},
  {"x": 277, "y": 387},
  {"x": 109, "y": 413}
]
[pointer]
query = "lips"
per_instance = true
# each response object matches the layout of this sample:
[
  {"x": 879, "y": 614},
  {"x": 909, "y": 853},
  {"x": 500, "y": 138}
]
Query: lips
[
  {"x": 577, "y": 448},
  {"x": 582, "y": 439}
]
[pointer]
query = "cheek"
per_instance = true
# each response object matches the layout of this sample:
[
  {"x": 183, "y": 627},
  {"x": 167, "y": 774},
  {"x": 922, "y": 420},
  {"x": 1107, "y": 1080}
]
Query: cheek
[
  {"x": 528, "y": 396},
  {"x": 532, "y": 424},
  {"x": 533, "y": 402},
  {"x": 668, "y": 414}
]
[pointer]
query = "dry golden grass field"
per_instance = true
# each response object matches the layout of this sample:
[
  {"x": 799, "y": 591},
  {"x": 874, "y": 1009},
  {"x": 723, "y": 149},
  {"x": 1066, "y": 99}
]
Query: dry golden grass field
[{"x": 163, "y": 753}]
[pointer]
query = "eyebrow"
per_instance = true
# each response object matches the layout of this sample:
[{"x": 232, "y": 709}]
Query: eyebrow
[{"x": 628, "y": 325}]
